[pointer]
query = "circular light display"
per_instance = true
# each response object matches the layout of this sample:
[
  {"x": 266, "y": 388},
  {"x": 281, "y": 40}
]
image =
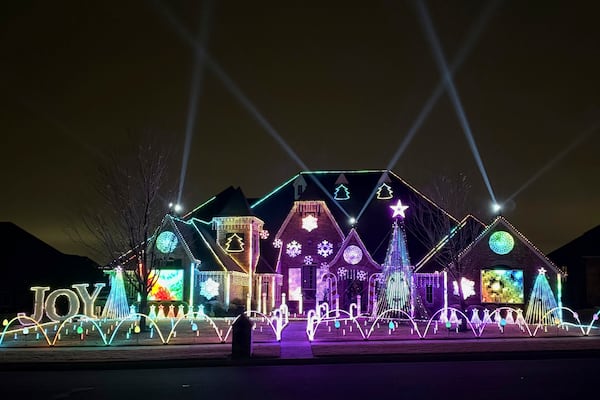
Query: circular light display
[
  {"x": 166, "y": 242},
  {"x": 353, "y": 254},
  {"x": 501, "y": 242}
]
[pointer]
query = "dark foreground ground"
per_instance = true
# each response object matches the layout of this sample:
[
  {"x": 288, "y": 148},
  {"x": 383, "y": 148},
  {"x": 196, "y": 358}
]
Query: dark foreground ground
[{"x": 547, "y": 378}]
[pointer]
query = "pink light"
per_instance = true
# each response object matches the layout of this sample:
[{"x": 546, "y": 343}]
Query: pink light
[{"x": 398, "y": 209}]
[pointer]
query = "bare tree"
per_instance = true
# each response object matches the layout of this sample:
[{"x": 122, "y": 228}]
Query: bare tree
[
  {"x": 123, "y": 227},
  {"x": 447, "y": 235}
]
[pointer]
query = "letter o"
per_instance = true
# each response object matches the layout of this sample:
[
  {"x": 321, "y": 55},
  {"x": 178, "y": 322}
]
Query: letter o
[{"x": 51, "y": 304}]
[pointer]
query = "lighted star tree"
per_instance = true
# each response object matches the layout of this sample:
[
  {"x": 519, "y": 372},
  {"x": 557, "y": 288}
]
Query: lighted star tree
[
  {"x": 116, "y": 303},
  {"x": 541, "y": 302},
  {"x": 395, "y": 291}
]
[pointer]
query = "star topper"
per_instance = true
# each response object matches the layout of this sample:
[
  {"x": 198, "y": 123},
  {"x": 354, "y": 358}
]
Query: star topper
[{"x": 398, "y": 209}]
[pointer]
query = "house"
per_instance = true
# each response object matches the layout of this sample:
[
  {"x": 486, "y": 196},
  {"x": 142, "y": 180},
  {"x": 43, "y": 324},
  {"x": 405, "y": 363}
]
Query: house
[{"x": 342, "y": 237}]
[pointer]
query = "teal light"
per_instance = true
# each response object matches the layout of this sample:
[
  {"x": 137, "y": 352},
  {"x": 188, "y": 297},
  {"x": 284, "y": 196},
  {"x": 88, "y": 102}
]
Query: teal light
[
  {"x": 337, "y": 324},
  {"x": 166, "y": 242},
  {"x": 501, "y": 242}
]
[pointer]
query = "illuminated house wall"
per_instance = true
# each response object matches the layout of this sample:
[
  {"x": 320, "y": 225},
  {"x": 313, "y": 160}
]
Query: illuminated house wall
[
  {"x": 307, "y": 241},
  {"x": 503, "y": 266},
  {"x": 310, "y": 226}
]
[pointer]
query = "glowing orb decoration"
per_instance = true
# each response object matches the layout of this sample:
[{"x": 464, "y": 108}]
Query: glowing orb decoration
[
  {"x": 325, "y": 248},
  {"x": 136, "y": 329},
  {"x": 166, "y": 242},
  {"x": 503, "y": 322},
  {"x": 398, "y": 209},
  {"x": 391, "y": 325},
  {"x": 337, "y": 324},
  {"x": 209, "y": 288},
  {"x": 293, "y": 249},
  {"x": 501, "y": 242},
  {"x": 353, "y": 254},
  {"x": 79, "y": 330},
  {"x": 26, "y": 331},
  {"x": 4, "y": 322},
  {"x": 309, "y": 223},
  {"x": 448, "y": 324}
]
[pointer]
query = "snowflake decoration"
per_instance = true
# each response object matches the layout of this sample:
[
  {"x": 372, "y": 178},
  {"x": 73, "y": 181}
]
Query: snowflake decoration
[
  {"x": 361, "y": 275},
  {"x": 277, "y": 243},
  {"x": 308, "y": 260},
  {"x": 342, "y": 272},
  {"x": 293, "y": 249},
  {"x": 324, "y": 267},
  {"x": 264, "y": 234},
  {"x": 325, "y": 249},
  {"x": 209, "y": 288},
  {"x": 309, "y": 223}
]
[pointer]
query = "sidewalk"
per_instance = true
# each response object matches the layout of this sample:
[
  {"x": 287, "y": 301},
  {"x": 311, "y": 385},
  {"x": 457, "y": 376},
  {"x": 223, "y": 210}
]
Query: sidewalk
[{"x": 212, "y": 355}]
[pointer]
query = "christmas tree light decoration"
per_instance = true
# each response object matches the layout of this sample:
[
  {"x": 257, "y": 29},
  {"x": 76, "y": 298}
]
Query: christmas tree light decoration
[
  {"x": 384, "y": 192},
  {"x": 277, "y": 243},
  {"x": 308, "y": 260},
  {"x": 309, "y": 223},
  {"x": 501, "y": 242},
  {"x": 234, "y": 243},
  {"x": 152, "y": 314},
  {"x": 293, "y": 249},
  {"x": 341, "y": 192},
  {"x": 398, "y": 209},
  {"x": 353, "y": 254},
  {"x": 116, "y": 306},
  {"x": 166, "y": 242},
  {"x": 325, "y": 248},
  {"x": 209, "y": 288},
  {"x": 395, "y": 290},
  {"x": 541, "y": 302}
]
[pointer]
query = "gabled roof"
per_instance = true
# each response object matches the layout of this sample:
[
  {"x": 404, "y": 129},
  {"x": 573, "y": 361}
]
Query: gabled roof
[
  {"x": 353, "y": 238},
  {"x": 230, "y": 202},
  {"x": 469, "y": 224},
  {"x": 373, "y": 214},
  {"x": 200, "y": 244},
  {"x": 500, "y": 221}
]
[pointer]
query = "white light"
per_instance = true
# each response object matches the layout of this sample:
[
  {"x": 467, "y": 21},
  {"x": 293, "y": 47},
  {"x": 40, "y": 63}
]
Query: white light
[
  {"x": 352, "y": 220},
  {"x": 496, "y": 207},
  {"x": 178, "y": 208}
]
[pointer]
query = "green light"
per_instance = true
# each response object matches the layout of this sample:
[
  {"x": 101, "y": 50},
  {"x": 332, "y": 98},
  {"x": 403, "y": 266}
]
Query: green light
[
  {"x": 501, "y": 242},
  {"x": 79, "y": 330},
  {"x": 166, "y": 242}
]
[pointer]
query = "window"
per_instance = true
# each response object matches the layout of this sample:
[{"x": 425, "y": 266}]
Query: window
[{"x": 429, "y": 293}]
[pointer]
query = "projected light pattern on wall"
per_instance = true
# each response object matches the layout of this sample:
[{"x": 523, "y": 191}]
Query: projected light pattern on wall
[
  {"x": 502, "y": 286},
  {"x": 169, "y": 285},
  {"x": 501, "y": 242}
]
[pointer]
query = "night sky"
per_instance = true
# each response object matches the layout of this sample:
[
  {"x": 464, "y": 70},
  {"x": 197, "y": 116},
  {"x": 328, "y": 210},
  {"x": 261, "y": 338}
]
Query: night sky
[{"x": 342, "y": 83}]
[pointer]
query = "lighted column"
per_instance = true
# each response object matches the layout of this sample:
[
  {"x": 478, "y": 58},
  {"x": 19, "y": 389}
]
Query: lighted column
[
  {"x": 259, "y": 296},
  {"x": 300, "y": 304},
  {"x": 264, "y": 303},
  {"x": 358, "y": 305},
  {"x": 445, "y": 294},
  {"x": 282, "y": 298},
  {"x": 559, "y": 296},
  {"x": 273, "y": 291},
  {"x": 227, "y": 289}
]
